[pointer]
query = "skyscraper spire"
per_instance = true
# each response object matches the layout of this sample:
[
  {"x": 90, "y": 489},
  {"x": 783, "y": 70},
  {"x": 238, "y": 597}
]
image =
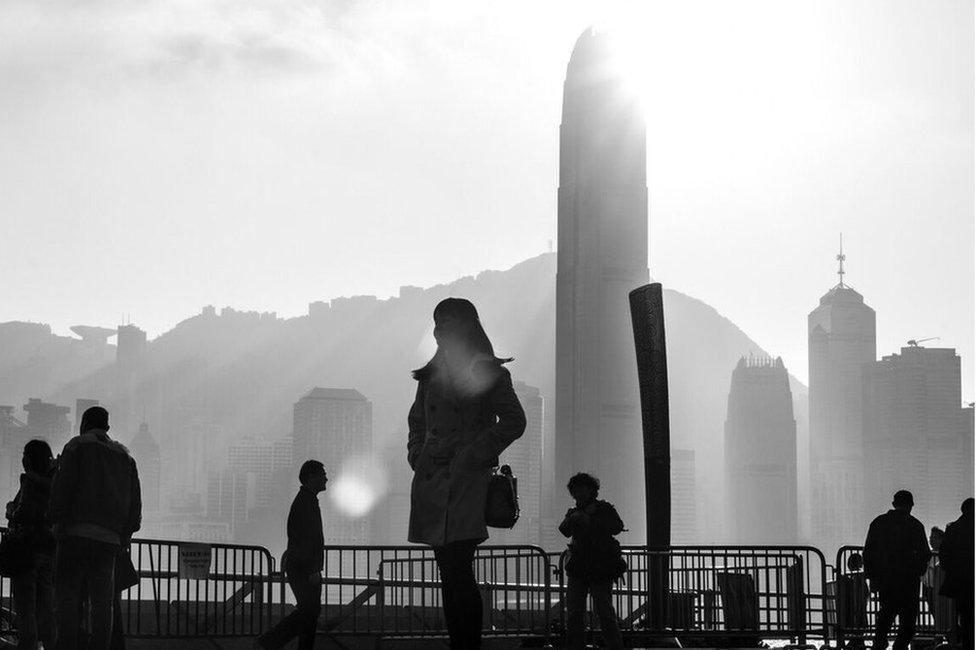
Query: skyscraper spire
[{"x": 840, "y": 259}]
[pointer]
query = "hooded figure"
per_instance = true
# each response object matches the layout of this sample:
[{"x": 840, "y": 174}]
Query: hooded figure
[{"x": 464, "y": 415}]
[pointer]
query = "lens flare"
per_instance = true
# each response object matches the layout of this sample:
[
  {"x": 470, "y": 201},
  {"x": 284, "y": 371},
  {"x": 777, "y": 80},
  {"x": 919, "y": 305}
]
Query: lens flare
[{"x": 360, "y": 485}]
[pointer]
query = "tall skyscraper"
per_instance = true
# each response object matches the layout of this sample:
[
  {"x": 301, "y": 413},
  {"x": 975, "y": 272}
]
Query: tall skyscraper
[
  {"x": 841, "y": 340},
  {"x": 916, "y": 435},
  {"x": 335, "y": 426},
  {"x": 760, "y": 454},
  {"x": 145, "y": 451},
  {"x": 602, "y": 256}
]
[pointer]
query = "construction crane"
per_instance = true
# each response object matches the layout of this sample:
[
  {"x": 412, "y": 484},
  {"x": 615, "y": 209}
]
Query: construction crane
[{"x": 914, "y": 342}]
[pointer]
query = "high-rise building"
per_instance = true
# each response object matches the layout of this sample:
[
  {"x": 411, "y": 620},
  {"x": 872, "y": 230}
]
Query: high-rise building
[
  {"x": 145, "y": 451},
  {"x": 48, "y": 422},
  {"x": 524, "y": 456},
  {"x": 335, "y": 426},
  {"x": 841, "y": 340},
  {"x": 760, "y": 454},
  {"x": 131, "y": 346},
  {"x": 916, "y": 436},
  {"x": 602, "y": 256},
  {"x": 14, "y": 434},
  {"x": 684, "y": 498}
]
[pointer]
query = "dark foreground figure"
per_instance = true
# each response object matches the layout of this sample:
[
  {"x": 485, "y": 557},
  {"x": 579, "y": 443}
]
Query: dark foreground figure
[
  {"x": 956, "y": 557},
  {"x": 95, "y": 507},
  {"x": 303, "y": 562},
  {"x": 464, "y": 415},
  {"x": 896, "y": 555},
  {"x": 32, "y": 586},
  {"x": 595, "y": 561}
]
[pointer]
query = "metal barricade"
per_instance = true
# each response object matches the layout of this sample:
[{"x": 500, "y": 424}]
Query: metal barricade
[
  {"x": 854, "y": 609},
  {"x": 767, "y": 592},
  {"x": 395, "y": 591},
  {"x": 231, "y": 597}
]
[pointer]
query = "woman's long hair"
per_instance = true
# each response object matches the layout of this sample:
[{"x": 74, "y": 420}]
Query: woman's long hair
[{"x": 476, "y": 341}]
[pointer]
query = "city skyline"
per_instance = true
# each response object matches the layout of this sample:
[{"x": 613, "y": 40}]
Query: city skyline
[{"x": 752, "y": 177}]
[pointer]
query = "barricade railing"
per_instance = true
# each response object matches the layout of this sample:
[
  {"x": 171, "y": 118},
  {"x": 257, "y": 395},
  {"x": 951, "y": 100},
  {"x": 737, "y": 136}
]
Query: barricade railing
[
  {"x": 395, "y": 591},
  {"x": 768, "y": 592},
  {"x": 188, "y": 589},
  {"x": 854, "y": 609}
]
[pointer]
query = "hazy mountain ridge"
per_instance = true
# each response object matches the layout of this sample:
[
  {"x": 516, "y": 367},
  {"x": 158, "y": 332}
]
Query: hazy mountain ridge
[{"x": 244, "y": 371}]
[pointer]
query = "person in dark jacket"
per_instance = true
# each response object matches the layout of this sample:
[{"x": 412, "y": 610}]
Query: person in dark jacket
[
  {"x": 303, "y": 562},
  {"x": 595, "y": 561},
  {"x": 956, "y": 560},
  {"x": 464, "y": 415},
  {"x": 896, "y": 555},
  {"x": 96, "y": 506},
  {"x": 33, "y": 588}
]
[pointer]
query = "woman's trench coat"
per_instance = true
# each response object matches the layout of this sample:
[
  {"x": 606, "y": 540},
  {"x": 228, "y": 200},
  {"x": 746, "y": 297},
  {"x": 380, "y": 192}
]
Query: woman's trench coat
[{"x": 457, "y": 431}]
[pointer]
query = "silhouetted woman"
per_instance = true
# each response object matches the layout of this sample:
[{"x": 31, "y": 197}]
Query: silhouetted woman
[
  {"x": 33, "y": 586},
  {"x": 465, "y": 414}
]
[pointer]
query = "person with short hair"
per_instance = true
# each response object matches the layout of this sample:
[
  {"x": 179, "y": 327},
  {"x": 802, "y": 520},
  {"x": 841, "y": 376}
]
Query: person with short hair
[
  {"x": 896, "y": 555},
  {"x": 595, "y": 561},
  {"x": 96, "y": 506},
  {"x": 32, "y": 587},
  {"x": 956, "y": 559},
  {"x": 302, "y": 562}
]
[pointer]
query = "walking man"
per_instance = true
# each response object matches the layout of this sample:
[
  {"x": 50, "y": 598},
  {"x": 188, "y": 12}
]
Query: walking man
[
  {"x": 95, "y": 508},
  {"x": 303, "y": 562},
  {"x": 896, "y": 555},
  {"x": 957, "y": 562}
]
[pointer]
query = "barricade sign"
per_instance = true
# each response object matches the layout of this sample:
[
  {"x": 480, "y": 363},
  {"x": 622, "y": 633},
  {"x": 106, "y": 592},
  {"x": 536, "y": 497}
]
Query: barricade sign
[{"x": 194, "y": 561}]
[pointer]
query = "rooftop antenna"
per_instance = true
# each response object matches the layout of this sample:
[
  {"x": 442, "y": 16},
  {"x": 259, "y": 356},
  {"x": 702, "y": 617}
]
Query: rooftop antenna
[
  {"x": 840, "y": 259},
  {"x": 914, "y": 343}
]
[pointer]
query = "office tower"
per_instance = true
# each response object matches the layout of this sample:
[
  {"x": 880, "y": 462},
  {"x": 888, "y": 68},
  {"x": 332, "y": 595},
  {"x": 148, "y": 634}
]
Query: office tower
[
  {"x": 14, "y": 434},
  {"x": 48, "y": 422},
  {"x": 916, "y": 435},
  {"x": 335, "y": 426},
  {"x": 760, "y": 454},
  {"x": 602, "y": 256},
  {"x": 131, "y": 346},
  {"x": 524, "y": 456},
  {"x": 145, "y": 451},
  {"x": 841, "y": 340},
  {"x": 684, "y": 498}
]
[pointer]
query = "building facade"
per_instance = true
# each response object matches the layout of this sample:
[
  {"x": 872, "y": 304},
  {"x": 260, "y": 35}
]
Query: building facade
[
  {"x": 841, "y": 340},
  {"x": 145, "y": 451},
  {"x": 602, "y": 256},
  {"x": 760, "y": 454},
  {"x": 335, "y": 426},
  {"x": 916, "y": 434},
  {"x": 684, "y": 498}
]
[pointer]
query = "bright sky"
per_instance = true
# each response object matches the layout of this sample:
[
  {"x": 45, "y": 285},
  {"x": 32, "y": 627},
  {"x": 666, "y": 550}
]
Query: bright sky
[{"x": 158, "y": 156}]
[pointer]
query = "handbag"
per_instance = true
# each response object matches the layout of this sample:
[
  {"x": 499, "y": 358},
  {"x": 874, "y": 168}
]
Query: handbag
[
  {"x": 16, "y": 554},
  {"x": 125, "y": 571},
  {"x": 502, "y": 507}
]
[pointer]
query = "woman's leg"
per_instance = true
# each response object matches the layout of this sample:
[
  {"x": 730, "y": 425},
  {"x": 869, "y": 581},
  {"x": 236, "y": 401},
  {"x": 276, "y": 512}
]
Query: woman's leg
[
  {"x": 576, "y": 590},
  {"x": 461, "y": 596}
]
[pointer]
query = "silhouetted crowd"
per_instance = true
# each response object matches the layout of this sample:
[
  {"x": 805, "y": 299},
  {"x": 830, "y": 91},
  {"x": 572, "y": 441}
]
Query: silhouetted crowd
[
  {"x": 71, "y": 523},
  {"x": 897, "y": 561},
  {"x": 67, "y": 547}
]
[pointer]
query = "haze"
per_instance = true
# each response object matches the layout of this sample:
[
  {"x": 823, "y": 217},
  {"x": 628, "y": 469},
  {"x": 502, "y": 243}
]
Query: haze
[{"x": 160, "y": 156}]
